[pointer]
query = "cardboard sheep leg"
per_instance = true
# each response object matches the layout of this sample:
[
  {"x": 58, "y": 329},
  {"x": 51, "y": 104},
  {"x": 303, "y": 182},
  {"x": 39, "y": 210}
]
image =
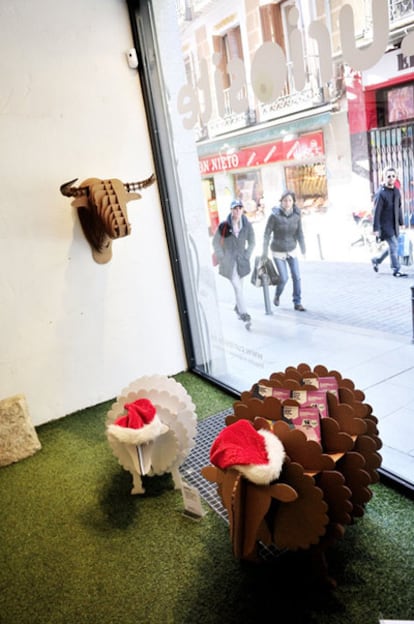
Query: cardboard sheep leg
[{"x": 250, "y": 504}]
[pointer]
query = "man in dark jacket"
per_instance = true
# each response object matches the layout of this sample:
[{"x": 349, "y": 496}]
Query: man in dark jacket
[
  {"x": 387, "y": 220},
  {"x": 233, "y": 245}
]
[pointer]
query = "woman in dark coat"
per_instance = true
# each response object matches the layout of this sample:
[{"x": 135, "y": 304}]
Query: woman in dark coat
[
  {"x": 285, "y": 233},
  {"x": 233, "y": 245}
]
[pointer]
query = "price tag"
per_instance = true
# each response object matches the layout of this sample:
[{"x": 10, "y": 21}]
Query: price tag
[{"x": 192, "y": 502}]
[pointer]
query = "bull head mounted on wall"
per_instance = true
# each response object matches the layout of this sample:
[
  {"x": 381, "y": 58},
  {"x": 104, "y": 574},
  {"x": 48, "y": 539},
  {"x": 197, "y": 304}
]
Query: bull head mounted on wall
[{"x": 101, "y": 207}]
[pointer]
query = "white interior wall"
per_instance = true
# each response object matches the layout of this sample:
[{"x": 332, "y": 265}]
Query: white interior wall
[{"x": 74, "y": 333}]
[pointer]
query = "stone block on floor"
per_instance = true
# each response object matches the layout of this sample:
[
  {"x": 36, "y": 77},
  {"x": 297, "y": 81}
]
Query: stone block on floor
[{"x": 18, "y": 437}]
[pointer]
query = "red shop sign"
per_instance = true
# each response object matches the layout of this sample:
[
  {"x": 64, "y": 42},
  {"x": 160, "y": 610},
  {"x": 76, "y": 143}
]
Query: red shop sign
[{"x": 300, "y": 149}]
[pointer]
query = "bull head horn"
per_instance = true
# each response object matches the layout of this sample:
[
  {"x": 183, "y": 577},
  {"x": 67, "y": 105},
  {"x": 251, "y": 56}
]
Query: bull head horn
[
  {"x": 71, "y": 191},
  {"x": 137, "y": 186}
]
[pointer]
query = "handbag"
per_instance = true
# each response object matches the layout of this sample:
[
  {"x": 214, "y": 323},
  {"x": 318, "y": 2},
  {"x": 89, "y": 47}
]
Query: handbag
[
  {"x": 271, "y": 272},
  {"x": 214, "y": 258},
  {"x": 264, "y": 266}
]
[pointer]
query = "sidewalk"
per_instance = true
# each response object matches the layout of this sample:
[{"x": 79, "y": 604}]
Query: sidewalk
[
  {"x": 353, "y": 294},
  {"x": 357, "y": 322}
]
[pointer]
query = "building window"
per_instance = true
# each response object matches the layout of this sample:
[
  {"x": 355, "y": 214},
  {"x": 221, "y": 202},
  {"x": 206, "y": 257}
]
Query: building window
[
  {"x": 271, "y": 22},
  {"x": 228, "y": 46}
]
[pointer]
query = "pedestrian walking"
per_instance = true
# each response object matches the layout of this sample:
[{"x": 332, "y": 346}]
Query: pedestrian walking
[
  {"x": 388, "y": 218},
  {"x": 284, "y": 232},
  {"x": 233, "y": 243}
]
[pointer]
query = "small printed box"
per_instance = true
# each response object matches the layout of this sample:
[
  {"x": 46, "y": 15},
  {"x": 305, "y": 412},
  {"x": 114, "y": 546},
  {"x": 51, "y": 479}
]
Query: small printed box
[
  {"x": 329, "y": 384},
  {"x": 312, "y": 398},
  {"x": 262, "y": 392},
  {"x": 281, "y": 393},
  {"x": 306, "y": 419}
]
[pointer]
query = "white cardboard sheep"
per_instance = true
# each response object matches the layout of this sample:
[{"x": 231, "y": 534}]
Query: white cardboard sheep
[{"x": 151, "y": 428}]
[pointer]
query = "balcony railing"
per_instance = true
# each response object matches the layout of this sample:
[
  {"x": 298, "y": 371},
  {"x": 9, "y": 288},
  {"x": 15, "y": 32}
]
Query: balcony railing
[
  {"x": 400, "y": 10},
  {"x": 290, "y": 101},
  {"x": 230, "y": 120}
]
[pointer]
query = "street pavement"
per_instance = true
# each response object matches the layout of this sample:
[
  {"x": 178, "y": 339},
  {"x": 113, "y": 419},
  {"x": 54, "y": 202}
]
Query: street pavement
[
  {"x": 339, "y": 284},
  {"x": 350, "y": 293}
]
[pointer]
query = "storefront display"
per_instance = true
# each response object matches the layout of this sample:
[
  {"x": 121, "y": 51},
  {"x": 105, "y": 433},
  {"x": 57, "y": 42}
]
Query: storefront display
[{"x": 248, "y": 101}]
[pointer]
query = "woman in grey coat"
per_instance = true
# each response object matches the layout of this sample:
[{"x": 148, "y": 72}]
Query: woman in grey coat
[
  {"x": 233, "y": 244},
  {"x": 285, "y": 233}
]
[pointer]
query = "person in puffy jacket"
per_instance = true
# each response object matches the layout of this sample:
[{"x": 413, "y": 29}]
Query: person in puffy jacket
[
  {"x": 284, "y": 232},
  {"x": 233, "y": 244}
]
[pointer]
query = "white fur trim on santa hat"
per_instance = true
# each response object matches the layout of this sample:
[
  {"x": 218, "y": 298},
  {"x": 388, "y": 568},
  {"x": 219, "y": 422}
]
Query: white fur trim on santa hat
[
  {"x": 147, "y": 433},
  {"x": 262, "y": 474}
]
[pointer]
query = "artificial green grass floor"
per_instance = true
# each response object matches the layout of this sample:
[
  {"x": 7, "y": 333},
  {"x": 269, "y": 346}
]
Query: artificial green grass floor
[{"x": 76, "y": 547}]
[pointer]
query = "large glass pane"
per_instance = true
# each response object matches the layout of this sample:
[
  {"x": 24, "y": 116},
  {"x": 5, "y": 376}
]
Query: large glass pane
[{"x": 251, "y": 99}]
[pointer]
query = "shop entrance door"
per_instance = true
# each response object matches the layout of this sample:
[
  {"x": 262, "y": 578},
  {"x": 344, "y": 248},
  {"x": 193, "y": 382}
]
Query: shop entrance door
[{"x": 393, "y": 147}]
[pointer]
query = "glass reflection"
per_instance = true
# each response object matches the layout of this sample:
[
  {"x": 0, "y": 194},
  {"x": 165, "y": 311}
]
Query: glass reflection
[{"x": 314, "y": 98}]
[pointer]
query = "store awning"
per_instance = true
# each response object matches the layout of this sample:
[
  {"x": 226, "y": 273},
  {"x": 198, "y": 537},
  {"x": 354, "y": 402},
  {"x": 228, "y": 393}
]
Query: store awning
[
  {"x": 298, "y": 148},
  {"x": 274, "y": 130}
]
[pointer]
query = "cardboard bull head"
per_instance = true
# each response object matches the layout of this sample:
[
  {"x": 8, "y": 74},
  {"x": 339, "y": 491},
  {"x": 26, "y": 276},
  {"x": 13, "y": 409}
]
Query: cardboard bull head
[{"x": 101, "y": 207}]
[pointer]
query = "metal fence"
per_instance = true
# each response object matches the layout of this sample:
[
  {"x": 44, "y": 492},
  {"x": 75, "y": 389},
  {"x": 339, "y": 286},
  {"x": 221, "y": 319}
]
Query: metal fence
[{"x": 393, "y": 147}]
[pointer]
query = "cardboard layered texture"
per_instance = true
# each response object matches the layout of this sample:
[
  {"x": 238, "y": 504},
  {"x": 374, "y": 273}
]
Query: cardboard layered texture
[
  {"x": 323, "y": 486},
  {"x": 18, "y": 437},
  {"x": 165, "y": 451},
  {"x": 101, "y": 206}
]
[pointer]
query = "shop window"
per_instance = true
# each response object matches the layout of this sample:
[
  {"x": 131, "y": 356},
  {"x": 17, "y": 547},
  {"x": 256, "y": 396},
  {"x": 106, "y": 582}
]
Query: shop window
[
  {"x": 395, "y": 105},
  {"x": 296, "y": 140},
  {"x": 249, "y": 189},
  {"x": 310, "y": 187},
  {"x": 400, "y": 104}
]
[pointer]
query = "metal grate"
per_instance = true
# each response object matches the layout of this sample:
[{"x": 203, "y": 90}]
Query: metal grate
[
  {"x": 190, "y": 470},
  {"x": 207, "y": 431},
  {"x": 392, "y": 146}
]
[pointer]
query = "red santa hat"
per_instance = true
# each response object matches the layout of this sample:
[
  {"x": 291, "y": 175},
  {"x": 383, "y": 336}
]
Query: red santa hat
[
  {"x": 139, "y": 425},
  {"x": 258, "y": 455}
]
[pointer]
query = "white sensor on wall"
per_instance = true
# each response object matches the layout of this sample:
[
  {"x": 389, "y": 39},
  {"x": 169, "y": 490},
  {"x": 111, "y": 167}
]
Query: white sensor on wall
[{"x": 132, "y": 58}]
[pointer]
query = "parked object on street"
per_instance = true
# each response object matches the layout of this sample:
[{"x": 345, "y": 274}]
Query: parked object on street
[{"x": 363, "y": 222}]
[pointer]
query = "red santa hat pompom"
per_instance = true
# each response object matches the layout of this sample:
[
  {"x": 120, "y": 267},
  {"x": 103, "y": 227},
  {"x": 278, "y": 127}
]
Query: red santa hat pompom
[
  {"x": 140, "y": 424},
  {"x": 258, "y": 455}
]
